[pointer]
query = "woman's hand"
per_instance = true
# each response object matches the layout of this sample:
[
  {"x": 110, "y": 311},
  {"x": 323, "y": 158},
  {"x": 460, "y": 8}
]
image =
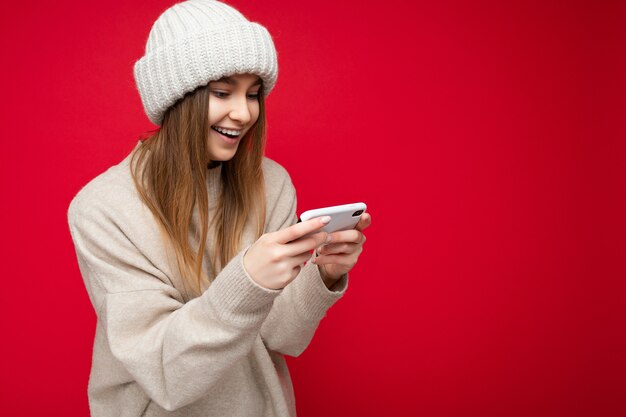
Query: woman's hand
[
  {"x": 275, "y": 259},
  {"x": 340, "y": 256}
]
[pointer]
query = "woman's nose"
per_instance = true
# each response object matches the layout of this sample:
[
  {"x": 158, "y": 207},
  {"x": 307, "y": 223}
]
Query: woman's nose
[{"x": 240, "y": 110}]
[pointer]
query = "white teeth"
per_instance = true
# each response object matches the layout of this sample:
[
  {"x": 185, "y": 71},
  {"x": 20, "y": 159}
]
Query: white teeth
[{"x": 228, "y": 131}]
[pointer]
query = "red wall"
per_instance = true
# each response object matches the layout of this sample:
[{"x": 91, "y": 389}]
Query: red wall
[{"x": 487, "y": 139}]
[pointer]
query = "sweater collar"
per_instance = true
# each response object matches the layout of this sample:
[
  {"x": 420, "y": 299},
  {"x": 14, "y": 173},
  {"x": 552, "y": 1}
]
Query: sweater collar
[{"x": 214, "y": 164}]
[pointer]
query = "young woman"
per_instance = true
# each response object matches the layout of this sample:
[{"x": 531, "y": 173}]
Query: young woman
[{"x": 200, "y": 277}]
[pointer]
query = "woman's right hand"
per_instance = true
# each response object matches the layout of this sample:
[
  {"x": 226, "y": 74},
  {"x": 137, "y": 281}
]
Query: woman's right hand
[{"x": 275, "y": 259}]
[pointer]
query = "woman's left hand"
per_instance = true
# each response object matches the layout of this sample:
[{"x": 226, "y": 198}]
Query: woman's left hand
[{"x": 339, "y": 257}]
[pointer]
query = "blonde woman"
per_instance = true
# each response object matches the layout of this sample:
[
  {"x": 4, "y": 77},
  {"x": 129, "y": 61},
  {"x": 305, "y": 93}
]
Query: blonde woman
[{"x": 189, "y": 248}]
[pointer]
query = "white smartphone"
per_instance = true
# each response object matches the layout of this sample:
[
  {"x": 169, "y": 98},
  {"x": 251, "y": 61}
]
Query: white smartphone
[{"x": 343, "y": 217}]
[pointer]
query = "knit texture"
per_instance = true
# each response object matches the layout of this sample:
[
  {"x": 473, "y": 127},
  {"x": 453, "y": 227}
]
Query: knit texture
[
  {"x": 160, "y": 351},
  {"x": 195, "y": 42}
]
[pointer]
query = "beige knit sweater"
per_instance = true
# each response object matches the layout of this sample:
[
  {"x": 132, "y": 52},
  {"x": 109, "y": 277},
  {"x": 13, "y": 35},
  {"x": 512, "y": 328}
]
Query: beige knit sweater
[{"x": 158, "y": 351}]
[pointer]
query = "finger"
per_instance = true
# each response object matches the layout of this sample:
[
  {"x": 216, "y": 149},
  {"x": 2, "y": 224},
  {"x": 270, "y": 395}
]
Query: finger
[
  {"x": 299, "y": 260},
  {"x": 307, "y": 244},
  {"x": 295, "y": 272},
  {"x": 295, "y": 265},
  {"x": 298, "y": 230},
  {"x": 364, "y": 222},
  {"x": 342, "y": 260},
  {"x": 349, "y": 236},
  {"x": 337, "y": 248}
]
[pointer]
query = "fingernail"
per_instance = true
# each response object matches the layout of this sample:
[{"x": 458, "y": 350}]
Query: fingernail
[
  {"x": 328, "y": 238},
  {"x": 325, "y": 219}
]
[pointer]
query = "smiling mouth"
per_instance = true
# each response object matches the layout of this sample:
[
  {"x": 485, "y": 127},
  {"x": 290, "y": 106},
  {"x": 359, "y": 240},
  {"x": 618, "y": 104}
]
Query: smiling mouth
[{"x": 226, "y": 132}]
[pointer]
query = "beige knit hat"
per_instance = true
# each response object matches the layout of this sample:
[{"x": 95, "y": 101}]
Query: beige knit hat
[{"x": 195, "y": 42}]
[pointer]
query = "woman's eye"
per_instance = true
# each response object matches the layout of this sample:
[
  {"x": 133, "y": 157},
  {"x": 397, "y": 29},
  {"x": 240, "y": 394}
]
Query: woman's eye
[{"x": 224, "y": 94}]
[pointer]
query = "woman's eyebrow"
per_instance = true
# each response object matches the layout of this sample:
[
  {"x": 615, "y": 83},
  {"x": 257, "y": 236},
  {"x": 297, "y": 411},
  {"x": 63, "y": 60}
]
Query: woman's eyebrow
[{"x": 232, "y": 81}]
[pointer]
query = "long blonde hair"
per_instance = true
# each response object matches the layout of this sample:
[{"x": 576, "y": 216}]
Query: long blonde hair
[{"x": 172, "y": 182}]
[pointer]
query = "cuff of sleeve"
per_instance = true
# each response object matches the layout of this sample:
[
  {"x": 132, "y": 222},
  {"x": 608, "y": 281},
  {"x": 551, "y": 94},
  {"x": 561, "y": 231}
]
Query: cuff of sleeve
[
  {"x": 237, "y": 299},
  {"x": 313, "y": 298}
]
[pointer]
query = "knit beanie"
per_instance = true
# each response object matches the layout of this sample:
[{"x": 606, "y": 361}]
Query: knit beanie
[{"x": 195, "y": 42}]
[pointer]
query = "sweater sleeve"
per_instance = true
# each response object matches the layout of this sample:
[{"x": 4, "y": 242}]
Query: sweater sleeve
[
  {"x": 175, "y": 351},
  {"x": 297, "y": 311}
]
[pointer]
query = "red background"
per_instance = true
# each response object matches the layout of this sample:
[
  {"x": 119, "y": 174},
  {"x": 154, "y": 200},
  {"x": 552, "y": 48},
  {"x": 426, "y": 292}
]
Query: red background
[{"x": 487, "y": 139}]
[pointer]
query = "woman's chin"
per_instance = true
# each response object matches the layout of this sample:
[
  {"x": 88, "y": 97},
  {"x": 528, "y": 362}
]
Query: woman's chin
[
  {"x": 221, "y": 150},
  {"x": 222, "y": 155}
]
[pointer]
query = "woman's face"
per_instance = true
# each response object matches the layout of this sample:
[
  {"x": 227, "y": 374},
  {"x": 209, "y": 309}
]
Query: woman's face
[{"x": 233, "y": 110}]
